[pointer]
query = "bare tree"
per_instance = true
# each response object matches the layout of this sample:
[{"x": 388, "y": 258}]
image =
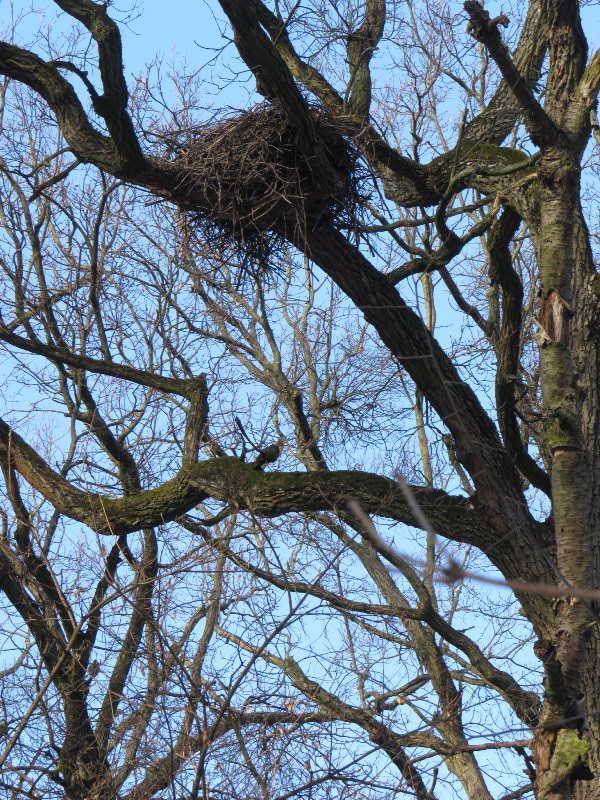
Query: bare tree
[{"x": 270, "y": 376}]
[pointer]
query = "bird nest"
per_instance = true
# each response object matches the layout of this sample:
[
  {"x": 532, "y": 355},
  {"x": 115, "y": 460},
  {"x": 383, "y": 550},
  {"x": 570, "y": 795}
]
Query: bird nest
[{"x": 256, "y": 185}]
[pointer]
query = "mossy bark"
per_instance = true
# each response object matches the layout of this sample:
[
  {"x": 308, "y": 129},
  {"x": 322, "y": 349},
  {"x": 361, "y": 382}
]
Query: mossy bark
[{"x": 562, "y": 346}]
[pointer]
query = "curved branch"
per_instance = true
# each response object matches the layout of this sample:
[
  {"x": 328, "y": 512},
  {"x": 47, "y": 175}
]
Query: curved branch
[
  {"x": 267, "y": 494},
  {"x": 391, "y": 743},
  {"x": 60, "y": 355},
  {"x": 503, "y": 273},
  {"x": 45, "y": 79},
  {"x": 438, "y": 259},
  {"x": 112, "y": 104},
  {"x": 360, "y": 47}
]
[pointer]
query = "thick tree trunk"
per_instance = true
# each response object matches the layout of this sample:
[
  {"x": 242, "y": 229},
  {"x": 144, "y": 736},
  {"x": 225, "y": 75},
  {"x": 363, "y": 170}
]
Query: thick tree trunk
[
  {"x": 569, "y": 369},
  {"x": 587, "y": 781},
  {"x": 585, "y": 341}
]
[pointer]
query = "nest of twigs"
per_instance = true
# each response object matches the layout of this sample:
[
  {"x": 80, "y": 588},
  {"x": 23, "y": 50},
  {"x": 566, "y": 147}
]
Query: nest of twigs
[{"x": 257, "y": 186}]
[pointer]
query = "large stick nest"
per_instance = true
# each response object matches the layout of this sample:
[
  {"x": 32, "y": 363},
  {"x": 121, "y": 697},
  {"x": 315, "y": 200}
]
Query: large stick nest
[{"x": 255, "y": 181}]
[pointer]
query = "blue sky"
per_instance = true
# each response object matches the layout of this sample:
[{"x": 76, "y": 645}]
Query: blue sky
[{"x": 177, "y": 30}]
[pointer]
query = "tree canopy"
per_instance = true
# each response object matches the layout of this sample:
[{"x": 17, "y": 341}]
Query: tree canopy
[{"x": 283, "y": 384}]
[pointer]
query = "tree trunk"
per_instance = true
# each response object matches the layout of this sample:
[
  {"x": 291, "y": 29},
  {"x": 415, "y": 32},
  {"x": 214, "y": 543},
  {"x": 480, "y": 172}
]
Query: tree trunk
[{"x": 568, "y": 363}]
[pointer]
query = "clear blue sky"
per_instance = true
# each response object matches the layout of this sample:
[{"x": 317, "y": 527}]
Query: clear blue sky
[
  {"x": 173, "y": 29},
  {"x": 187, "y": 35}
]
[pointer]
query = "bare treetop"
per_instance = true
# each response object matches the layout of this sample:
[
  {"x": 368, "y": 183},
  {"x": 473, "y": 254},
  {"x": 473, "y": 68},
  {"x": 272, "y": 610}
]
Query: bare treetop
[{"x": 279, "y": 381}]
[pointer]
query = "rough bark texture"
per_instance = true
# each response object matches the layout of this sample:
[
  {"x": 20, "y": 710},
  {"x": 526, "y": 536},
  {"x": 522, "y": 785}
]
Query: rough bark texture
[{"x": 545, "y": 193}]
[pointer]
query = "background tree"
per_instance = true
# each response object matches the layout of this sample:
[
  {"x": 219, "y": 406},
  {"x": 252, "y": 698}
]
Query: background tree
[{"x": 227, "y": 342}]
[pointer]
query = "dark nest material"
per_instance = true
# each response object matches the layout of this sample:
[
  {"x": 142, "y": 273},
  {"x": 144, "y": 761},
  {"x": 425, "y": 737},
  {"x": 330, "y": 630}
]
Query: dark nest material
[{"x": 257, "y": 186}]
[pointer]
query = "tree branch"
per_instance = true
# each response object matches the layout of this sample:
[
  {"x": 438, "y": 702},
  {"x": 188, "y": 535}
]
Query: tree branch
[
  {"x": 525, "y": 704},
  {"x": 509, "y": 347},
  {"x": 360, "y": 47},
  {"x": 275, "y": 82},
  {"x": 407, "y": 338},
  {"x": 196, "y": 423},
  {"x": 112, "y": 104},
  {"x": 498, "y": 119},
  {"x": 391, "y": 743},
  {"x": 45, "y": 79},
  {"x": 60, "y": 355},
  {"x": 485, "y": 30},
  {"x": 267, "y": 494}
]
